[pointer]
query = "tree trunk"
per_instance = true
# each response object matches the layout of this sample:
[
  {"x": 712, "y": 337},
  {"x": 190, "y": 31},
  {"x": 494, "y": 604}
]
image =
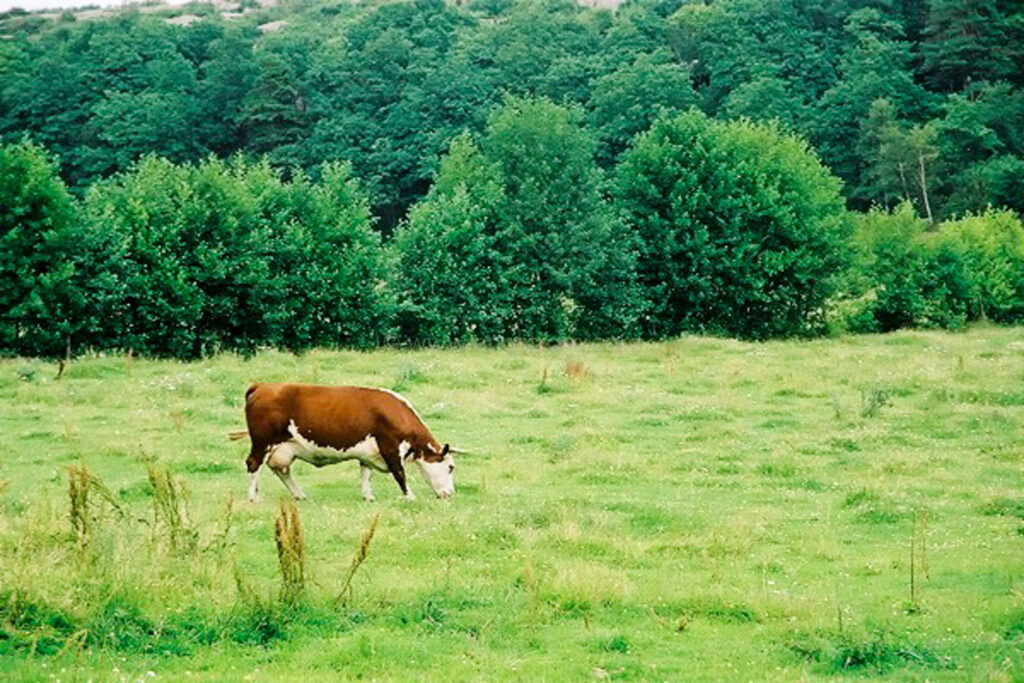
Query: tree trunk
[{"x": 923, "y": 180}]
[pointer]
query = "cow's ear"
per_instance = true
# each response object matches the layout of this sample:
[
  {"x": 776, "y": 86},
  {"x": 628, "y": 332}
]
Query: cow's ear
[{"x": 445, "y": 449}]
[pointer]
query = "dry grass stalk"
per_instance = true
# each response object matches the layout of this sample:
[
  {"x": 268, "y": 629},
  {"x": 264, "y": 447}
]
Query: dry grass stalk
[
  {"x": 290, "y": 551},
  {"x": 178, "y": 420},
  {"x": 576, "y": 369},
  {"x": 80, "y": 482},
  {"x": 360, "y": 557},
  {"x": 171, "y": 508}
]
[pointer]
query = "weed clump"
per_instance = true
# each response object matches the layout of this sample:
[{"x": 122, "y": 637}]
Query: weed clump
[
  {"x": 873, "y": 401},
  {"x": 80, "y": 483},
  {"x": 357, "y": 561},
  {"x": 291, "y": 553},
  {"x": 1004, "y": 507},
  {"x": 576, "y": 369},
  {"x": 876, "y": 652},
  {"x": 407, "y": 376},
  {"x": 615, "y": 644},
  {"x": 871, "y": 508},
  {"x": 171, "y": 509},
  {"x": 29, "y": 625}
]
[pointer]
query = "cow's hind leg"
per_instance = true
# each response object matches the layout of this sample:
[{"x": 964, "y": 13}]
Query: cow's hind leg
[
  {"x": 252, "y": 465},
  {"x": 280, "y": 461},
  {"x": 365, "y": 473}
]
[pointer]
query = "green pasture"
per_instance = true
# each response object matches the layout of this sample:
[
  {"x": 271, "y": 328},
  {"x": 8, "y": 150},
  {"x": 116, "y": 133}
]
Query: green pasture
[{"x": 692, "y": 509}]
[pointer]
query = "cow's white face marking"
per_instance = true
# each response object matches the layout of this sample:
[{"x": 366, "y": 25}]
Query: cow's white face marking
[{"x": 439, "y": 475}]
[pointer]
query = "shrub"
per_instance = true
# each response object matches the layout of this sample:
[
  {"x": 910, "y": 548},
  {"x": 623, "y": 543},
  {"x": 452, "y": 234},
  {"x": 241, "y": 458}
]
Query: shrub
[
  {"x": 908, "y": 274},
  {"x": 54, "y": 291},
  {"x": 514, "y": 241},
  {"x": 740, "y": 228},
  {"x": 230, "y": 257}
]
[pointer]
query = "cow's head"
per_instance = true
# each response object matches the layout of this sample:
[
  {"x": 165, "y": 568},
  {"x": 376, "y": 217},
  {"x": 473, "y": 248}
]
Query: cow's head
[{"x": 438, "y": 468}]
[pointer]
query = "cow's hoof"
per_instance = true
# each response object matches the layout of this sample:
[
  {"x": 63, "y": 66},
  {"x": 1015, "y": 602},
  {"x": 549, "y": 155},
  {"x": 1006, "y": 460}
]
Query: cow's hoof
[{"x": 369, "y": 499}]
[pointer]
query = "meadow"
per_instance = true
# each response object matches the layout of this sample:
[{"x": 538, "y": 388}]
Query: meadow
[{"x": 692, "y": 509}]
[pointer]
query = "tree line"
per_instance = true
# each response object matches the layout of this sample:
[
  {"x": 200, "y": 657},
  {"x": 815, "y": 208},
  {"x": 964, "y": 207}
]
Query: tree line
[
  {"x": 914, "y": 101},
  {"x": 425, "y": 173},
  {"x": 703, "y": 225}
]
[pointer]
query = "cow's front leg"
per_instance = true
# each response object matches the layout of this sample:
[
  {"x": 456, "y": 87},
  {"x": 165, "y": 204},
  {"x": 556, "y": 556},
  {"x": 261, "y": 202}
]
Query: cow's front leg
[
  {"x": 280, "y": 461},
  {"x": 394, "y": 463},
  {"x": 365, "y": 473}
]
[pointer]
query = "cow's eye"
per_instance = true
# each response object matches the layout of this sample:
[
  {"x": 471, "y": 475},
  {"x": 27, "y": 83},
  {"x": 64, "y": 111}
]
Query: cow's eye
[{"x": 451, "y": 468}]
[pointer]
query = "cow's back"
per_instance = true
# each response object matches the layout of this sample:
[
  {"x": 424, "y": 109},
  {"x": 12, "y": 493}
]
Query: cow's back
[{"x": 338, "y": 417}]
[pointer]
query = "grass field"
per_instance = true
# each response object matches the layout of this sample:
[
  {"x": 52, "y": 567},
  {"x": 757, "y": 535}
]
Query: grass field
[{"x": 698, "y": 509}]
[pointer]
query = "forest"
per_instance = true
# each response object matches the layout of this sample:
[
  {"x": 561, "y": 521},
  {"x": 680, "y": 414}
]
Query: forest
[{"x": 184, "y": 180}]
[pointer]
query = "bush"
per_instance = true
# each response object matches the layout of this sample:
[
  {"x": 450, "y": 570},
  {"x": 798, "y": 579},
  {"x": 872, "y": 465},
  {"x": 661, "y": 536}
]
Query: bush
[
  {"x": 230, "y": 257},
  {"x": 55, "y": 288},
  {"x": 908, "y": 274},
  {"x": 740, "y": 228},
  {"x": 990, "y": 246},
  {"x": 515, "y": 241}
]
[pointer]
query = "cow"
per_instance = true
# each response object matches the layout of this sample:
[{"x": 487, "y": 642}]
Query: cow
[{"x": 323, "y": 425}]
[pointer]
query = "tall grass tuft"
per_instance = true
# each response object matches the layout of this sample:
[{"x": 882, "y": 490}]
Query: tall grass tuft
[
  {"x": 576, "y": 369},
  {"x": 290, "y": 551},
  {"x": 357, "y": 561},
  {"x": 80, "y": 482},
  {"x": 171, "y": 509},
  {"x": 873, "y": 401},
  {"x": 220, "y": 541}
]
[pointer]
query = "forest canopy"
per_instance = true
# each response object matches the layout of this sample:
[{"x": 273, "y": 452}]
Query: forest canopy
[{"x": 436, "y": 173}]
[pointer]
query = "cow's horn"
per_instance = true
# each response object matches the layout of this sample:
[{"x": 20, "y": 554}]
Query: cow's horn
[{"x": 460, "y": 451}]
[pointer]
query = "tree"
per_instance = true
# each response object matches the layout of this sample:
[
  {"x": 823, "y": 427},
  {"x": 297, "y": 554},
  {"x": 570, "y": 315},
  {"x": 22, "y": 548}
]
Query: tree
[
  {"x": 898, "y": 158},
  {"x": 967, "y": 42},
  {"x": 876, "y": 65},
  {"x": 54, "y": 292},
  {"x": 448, "y": 274},
  {"x": 391, "y": 100},
  {"x": 274, "y": 113},
  {"x": 514, "y": 241},
  {"x": 627, "y": 100},
  {"x": 740, "y": 227},
  {"x": 229, "y": 257}
]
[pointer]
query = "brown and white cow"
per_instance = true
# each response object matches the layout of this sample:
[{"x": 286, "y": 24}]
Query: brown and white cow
[{"x": 325, "y": 425}]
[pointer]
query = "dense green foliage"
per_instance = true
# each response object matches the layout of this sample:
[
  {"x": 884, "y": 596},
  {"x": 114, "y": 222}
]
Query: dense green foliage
[
  {"x": 55, "y": 279},
  {"x": 907, "y": 273},
  {"x": 186, "y": 260},
  {"x": 515, "y": 242},
  {"x": 387, "y": 86},
  {"x": 740, "y": 228},
  {"x": 212, "y": 171}
]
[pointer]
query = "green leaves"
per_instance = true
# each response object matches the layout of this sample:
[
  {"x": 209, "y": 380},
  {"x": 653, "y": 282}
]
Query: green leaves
[
  {"x": 515, "y": 241},
  {"x": 740, "y": 227}
]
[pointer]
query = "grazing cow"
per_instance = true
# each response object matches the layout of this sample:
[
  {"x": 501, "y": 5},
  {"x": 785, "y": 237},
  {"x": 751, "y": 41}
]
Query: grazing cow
[{"x": 324, "y": 425}]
